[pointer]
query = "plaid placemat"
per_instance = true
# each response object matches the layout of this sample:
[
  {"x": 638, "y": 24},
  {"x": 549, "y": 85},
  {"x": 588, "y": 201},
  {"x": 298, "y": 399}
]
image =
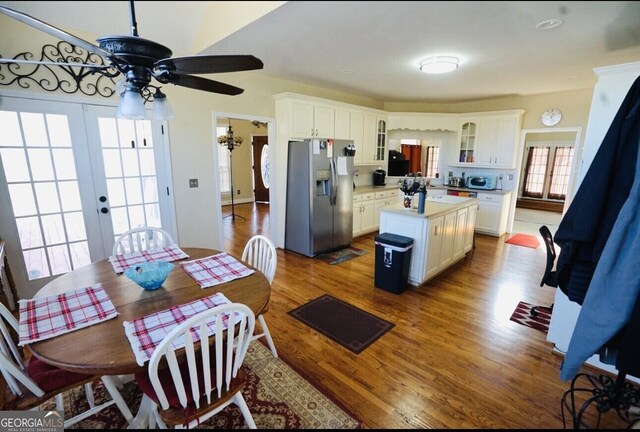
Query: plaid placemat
[
  {"x": 170, "y": 253},
  {"x": 147, "y": 332},
  {"x": 216, "y": 269},
  {"x": 47, "y": 317}
]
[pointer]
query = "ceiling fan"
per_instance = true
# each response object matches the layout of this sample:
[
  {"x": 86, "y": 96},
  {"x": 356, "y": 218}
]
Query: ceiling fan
[{"x": 140, "y": 60}]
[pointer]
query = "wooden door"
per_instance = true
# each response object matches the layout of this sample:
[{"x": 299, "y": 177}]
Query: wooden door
[{"x": 261, "y": 168}]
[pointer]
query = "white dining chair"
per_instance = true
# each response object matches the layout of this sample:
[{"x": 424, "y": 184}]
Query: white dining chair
[
  {"x": 141, "y": 239},
  {"x": 33, "y": 382},
  {"x": 191, "y": 391},
  {"x": 260, "y": 252}
]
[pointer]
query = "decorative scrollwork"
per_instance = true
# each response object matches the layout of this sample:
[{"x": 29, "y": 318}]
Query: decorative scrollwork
[{"x": 69, "y": 79}]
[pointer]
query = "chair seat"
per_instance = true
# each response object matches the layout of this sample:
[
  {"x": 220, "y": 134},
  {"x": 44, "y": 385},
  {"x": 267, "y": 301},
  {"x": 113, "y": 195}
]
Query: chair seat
[
  {"x": 176, "y": 415},
  {"x": 51, "y": 378}
]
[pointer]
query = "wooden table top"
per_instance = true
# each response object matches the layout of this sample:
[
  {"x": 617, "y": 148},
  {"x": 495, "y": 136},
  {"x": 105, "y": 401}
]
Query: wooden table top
[{"x": 103, "y": 348}]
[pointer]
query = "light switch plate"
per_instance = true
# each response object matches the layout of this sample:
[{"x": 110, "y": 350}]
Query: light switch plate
[{"x": 193, "y": 183}]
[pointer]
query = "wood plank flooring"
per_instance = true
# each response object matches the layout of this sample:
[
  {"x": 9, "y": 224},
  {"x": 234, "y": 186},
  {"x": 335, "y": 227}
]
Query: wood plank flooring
[{"x": 453, "y": 359}]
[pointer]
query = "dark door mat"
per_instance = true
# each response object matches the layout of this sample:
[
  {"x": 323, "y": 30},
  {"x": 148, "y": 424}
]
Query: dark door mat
[
  {"x": 341, "y": 322},
  {"x": 342, "y": 255}
]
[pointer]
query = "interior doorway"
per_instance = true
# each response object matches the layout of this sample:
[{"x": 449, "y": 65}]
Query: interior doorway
[
  {"x": 548, "y": 159},
  {"x": 251, "y": 173}
]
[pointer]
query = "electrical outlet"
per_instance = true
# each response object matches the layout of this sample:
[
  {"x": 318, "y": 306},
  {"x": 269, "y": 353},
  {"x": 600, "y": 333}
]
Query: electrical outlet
[
  {"x": 509, "y": 176},
  {"x": 193, "y": 183},
  {"x": 238, "y": 193},
  {"x": 500, "y": 176}
]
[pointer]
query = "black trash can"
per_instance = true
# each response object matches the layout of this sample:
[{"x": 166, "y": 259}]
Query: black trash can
[{"x": 393, "y": 256}]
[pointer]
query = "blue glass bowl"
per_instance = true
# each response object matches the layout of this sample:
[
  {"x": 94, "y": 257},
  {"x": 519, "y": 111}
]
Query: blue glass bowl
[{"x": 149, "y": 275}]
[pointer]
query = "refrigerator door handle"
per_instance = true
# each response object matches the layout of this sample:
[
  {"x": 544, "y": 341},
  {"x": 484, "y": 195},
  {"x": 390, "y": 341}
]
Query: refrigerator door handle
[{"x": 334, "y": 182}]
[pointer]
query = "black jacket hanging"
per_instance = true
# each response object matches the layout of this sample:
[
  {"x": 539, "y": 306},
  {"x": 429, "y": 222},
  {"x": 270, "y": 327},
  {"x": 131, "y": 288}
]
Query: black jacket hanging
[{"x": 585, "y": 228}]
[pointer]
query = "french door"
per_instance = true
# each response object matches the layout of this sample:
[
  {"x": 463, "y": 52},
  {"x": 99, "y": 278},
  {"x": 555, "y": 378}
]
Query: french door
[
  {"x": 547, "y": 171},
  {"x": 72, "y": 179}
]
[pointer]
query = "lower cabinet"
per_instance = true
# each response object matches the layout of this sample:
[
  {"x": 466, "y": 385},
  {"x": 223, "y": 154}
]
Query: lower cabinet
[
  {"x": 493, "y": 211},
  {"x": 438, "y": 241},
  {"x": 364, "y": 213}
]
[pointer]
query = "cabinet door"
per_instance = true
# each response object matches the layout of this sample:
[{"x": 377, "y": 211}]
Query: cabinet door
[
  {"x": 302, "y": 120},
  {"x": 356, "y": 134},
  {"x": 461, "y": 233},
  {"x": 467, "y": 142},
  {"x": 488, "y": 217},
  {"x": 342, "y": 120},
  {"x": 324, "y": 122},
  {"x": 505, "y": 141},
  {"x": 434, "y": 243},
  {"x": 485, "y": 149},
  {"x": 357, "y": 218},
  {"x": 368, "y": 215},
  {"x": 470, "y": 228},
  {"x": 448, "y": 239},
  {"x": 369, "y": 138},
  {"x": 380, "y": 204},
  {"x": 381, "y": 140}
]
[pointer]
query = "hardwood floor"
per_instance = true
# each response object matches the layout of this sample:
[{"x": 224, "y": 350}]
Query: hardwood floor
[{"x": 453, "y": 359}]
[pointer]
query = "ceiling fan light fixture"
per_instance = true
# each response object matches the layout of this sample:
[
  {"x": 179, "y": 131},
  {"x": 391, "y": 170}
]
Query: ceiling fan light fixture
[
  {"x": 439, "y": 64},
  {"x": 161, "y": 108},
  {"x": 131, "y": 105}
]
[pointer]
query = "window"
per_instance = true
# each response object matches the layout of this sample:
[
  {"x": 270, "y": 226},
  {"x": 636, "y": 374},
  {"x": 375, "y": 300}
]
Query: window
[{"x": 223, "y": 159}]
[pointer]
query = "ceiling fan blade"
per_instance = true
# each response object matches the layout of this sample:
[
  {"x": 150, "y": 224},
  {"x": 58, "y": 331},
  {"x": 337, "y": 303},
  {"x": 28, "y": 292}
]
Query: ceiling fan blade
[
  {"x": 205, "y": 84},
  {"x": 53, "y": 63},
  {"x": 54, "y": 31},
  {"x": 210, "y": 64}
]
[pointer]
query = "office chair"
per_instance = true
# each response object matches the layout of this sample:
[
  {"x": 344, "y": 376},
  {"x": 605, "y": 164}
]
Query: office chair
[{"x": 549, "y": 278}]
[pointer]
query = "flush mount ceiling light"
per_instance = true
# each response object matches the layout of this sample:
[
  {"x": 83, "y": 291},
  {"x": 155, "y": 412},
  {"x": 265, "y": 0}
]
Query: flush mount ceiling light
[
  {"x": 439, "y": 64},
  {"x": 548, "y": 24}
]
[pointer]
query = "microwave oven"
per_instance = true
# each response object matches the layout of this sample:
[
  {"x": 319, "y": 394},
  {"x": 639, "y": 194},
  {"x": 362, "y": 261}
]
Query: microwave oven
[{"x": 488, "y": 182}]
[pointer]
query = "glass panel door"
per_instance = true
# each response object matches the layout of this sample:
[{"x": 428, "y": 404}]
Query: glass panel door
[{"x": 547, "y": 171}]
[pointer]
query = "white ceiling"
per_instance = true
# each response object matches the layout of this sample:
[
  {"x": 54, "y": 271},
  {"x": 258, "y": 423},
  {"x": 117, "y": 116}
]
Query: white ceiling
[{"x": 381, "y": 43}]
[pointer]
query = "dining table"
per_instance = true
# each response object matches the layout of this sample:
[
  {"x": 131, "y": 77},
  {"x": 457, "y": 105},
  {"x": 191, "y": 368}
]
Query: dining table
[{"x": 103, "y": 348}]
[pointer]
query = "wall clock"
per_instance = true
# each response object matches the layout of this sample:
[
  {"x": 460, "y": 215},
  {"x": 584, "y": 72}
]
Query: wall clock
[{"x": 551, "y": 117}]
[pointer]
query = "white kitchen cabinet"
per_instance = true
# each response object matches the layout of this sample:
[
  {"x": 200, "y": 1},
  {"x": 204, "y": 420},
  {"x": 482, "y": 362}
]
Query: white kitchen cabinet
[
  {"x": 467, "y": 134},
  {"x": 369, "y": 139},
  {"x": 363, "y": 213},
  {"x": 342, "y": 124},
  {"x": 434, "y": 234},
  {"x": 492, "y": 213},
  {"x": 460, "y": 236},
  {"x": 469, "y": 228},
  {"x": 497, "y": 139},
  {"x": 381, "y": 139},
  {"x": 356, "y": 134},
  {"x": 312, "y": 121},
  {"x": 384, "y": 199}
]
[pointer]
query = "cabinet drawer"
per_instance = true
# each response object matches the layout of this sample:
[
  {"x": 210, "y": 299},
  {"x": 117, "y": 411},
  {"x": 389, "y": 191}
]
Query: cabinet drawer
[
  {"x": 381, "y": 194},
  {"x": 489, "y": 197},
  {"x": 368, "y": 196},
  {"x": 392, "y": 193},
  {"x": 357, "y": 198}
]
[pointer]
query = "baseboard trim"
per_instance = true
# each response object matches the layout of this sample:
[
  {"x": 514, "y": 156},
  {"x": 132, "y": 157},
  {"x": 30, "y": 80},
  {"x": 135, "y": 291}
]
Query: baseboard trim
[{"x": 551, "y": 206}]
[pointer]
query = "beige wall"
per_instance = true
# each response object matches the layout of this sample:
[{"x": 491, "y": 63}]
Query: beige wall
[{"x": 192, "y": 133}]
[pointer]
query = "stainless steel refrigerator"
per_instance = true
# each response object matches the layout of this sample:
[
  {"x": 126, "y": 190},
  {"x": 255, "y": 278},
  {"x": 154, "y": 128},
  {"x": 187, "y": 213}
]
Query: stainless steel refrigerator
[{"x": 320, "y": 185}]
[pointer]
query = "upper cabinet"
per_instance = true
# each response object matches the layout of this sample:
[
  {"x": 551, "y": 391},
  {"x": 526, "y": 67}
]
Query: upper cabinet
[
  {"x": 342, "y": 124},
  {"x": 312, "y": 121},
  {"x": 467, "y": 142},
  {"x": 489, "y": 141},
  {"x": 381, "y": 140}
]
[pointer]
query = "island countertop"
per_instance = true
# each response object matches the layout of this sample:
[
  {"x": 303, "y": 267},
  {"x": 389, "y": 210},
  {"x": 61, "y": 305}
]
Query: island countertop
[{"x": 433, "y": 207}]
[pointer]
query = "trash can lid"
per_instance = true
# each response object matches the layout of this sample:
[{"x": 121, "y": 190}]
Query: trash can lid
[{"x": 394, "y": 240}]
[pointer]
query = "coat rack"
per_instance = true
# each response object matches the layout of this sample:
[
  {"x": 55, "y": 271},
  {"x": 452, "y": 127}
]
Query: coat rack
[{"x": 231, "y": 142}]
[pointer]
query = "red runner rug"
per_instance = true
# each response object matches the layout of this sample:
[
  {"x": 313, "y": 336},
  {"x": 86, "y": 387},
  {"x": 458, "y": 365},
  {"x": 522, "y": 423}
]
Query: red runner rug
[{"x": 526, "y": 240}]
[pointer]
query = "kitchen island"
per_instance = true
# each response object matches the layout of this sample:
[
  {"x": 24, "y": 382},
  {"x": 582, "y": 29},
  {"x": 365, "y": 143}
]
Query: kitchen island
[{"x": 442, "y": 235}]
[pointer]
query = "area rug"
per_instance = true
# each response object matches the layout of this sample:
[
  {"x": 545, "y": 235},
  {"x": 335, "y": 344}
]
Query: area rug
[
  {"x": 341, "y": 322},
  {"x": 526, "y": 240},
  {"x": 522, "y": 315},
  {"x": 278, "y": 398},
  {"x": 342, "y": 255}
]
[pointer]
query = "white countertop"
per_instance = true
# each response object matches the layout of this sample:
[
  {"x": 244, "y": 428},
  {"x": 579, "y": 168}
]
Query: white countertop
[
  {"x": 434, "y": 206},
  {"x": 371, "y": 188}
]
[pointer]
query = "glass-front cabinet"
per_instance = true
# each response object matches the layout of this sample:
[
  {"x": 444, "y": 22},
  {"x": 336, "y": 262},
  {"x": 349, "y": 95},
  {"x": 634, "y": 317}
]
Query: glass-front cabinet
[
  {"x": 381, "y": 143},
  {"x": 468, "y": 133}
]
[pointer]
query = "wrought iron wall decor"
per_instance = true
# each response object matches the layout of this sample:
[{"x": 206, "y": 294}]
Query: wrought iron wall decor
[{"x": 69, "y": 79}]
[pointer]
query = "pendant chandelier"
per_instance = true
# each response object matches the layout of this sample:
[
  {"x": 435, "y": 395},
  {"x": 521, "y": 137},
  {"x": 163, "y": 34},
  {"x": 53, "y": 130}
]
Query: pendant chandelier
[{"x": 229, "y": 140}]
